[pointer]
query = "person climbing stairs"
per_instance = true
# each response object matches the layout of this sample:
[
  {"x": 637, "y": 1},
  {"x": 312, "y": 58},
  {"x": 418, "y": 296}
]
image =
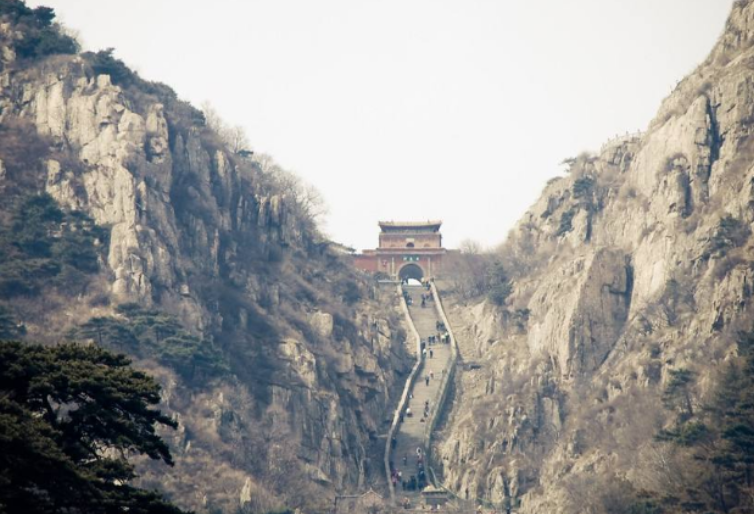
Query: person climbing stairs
[{"x": 408, "y": 457}]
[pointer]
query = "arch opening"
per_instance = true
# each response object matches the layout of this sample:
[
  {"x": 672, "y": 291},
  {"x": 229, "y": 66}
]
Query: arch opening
[
  {"x": 411, "y": 272},
  {"x": 409, "y": 245}
]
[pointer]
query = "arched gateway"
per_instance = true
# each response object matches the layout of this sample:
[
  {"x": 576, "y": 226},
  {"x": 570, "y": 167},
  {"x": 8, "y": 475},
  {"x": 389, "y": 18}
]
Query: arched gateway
[
  {"x": 411, "y": 271},
  {"x": 407, "y": 249}
]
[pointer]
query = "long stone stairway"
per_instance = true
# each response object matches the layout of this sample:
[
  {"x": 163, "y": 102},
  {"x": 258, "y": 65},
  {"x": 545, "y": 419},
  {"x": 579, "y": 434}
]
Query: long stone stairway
[{"x": 426, "y": 391}]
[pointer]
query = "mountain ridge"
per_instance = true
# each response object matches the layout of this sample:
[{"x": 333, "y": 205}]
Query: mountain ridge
[
  {"x": 274, "y": 355},
  {"x": 632, "y": 268}
]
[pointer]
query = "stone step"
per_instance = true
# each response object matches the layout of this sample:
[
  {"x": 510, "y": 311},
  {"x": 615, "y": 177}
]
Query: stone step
[{"x": 410, "y": 434}]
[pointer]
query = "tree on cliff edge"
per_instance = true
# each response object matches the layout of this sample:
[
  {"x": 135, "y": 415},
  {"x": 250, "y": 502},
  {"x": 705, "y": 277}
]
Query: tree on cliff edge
[
  {"x": 70, "y": 416},
  {"x": 499, "y": 286},
  {"x": 718, "y": 439}
]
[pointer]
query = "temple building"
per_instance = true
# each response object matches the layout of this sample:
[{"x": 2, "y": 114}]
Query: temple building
[{"x": 406, "y": 250}]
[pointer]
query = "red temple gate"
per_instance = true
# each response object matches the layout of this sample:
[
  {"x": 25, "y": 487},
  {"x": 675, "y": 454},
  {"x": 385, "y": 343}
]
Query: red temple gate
[{"x": 407, "y": 250}]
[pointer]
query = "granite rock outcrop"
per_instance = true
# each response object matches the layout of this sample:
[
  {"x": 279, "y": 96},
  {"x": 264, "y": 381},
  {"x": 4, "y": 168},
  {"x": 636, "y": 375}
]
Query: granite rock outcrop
[
  {"x": 205, "y": 235},
  {"x": 636, "y": 263}
]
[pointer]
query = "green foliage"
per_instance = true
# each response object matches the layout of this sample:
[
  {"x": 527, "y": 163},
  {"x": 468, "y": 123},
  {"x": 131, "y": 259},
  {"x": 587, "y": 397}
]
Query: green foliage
[
  {"x": 677, "y": 394},
  {"x": 41, "y": 36},
  {"x": 69, "y": 417},
  {"x": 645, "y": 506},
  {"x": 192, "y": 357},
  {"x": 42, "y": 245},
  {"x": 583, "y": 191},
  {"x": 349, "y": 291},
  {"x": 108, "y": 333},
  {"x": 520, "y": 318},
  {"x": 499, "y": 286},
  {"x": 105, "y": 63},
  {"x": 18, "y": 12},
  {"x": 582, "y": 187},
  {"x": 685, "y": 434},
  {"x": 719, "y": 438},
  {"x": 32, "y": 223},
  {"x": 181, "y": 115},
  {"x": 9, "y": 327},
  {"x": 23, "y": 151},
  {"x": 566, "y": 222},
  {"x": 46, "y": 41},
  {"x": 151, "y": 334}
]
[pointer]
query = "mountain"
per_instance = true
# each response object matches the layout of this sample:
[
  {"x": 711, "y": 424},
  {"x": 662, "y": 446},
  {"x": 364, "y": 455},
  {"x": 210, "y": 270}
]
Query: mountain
[
  {"x": 128, "y": 222},
  {"x": 633, "y": 281},
  {"x": 607, "y": 356}
]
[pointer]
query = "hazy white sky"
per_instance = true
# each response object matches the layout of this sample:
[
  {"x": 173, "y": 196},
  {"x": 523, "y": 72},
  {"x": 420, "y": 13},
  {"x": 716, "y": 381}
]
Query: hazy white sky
[{"x": 458, "y": 110}]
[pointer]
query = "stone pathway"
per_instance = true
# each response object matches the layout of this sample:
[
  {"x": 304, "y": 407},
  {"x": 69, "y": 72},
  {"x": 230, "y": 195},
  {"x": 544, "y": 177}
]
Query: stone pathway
[{"x": 410, "y": 435}]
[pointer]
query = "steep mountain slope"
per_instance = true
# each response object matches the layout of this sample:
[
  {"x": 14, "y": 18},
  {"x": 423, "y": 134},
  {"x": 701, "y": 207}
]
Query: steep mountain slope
[
  {"x": 275, "y": 357},
  {"x": 638, "y": 263}
]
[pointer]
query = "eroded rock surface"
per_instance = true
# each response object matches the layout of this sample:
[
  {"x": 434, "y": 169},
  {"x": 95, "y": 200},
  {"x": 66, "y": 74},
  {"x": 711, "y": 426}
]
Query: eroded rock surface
[
  {"x": 624, "y": 270},
  {"x": 205, "y": 235}
]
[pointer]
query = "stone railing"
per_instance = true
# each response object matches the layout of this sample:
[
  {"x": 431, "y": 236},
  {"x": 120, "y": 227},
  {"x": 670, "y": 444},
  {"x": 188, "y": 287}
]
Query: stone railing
[
  {"x": 447, "y": 378},
  {"x": 625, "y": 138},
  {"x": 415, "y": 371}
]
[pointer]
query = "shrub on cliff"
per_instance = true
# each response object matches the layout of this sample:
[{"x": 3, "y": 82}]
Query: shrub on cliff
[
  {"x": 69, "y": 417},
  {"x": 192, "y": 358},
  {"x": 729, "y": 233},
  {"x": 349, "y": 291},
  {"x": 40, "y": 35},
  {"x": 566, "y": 222},
  {"x": 9, "y": 327},
  {"x": 42, "y": 245},
  {"x": 499, "y": 286},
  {"x": 583, "y": 187},
  {"x": 105, "y": 63},
  {"x": 148, "y": 333},
  {"x": 717, "y": 440},
  {"x": 23, "y": 152}
]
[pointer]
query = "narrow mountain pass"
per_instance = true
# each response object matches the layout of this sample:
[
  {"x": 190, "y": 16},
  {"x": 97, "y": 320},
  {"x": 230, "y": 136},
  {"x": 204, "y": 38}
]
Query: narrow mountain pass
[{"x": 408, "y": 456}]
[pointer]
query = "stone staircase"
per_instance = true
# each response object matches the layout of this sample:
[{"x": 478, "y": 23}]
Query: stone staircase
[{"x": 409, "y": 446}]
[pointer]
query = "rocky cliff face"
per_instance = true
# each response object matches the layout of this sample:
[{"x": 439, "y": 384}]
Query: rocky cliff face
[
  {"x": 637, "y": 263},
  {"x": 206, "y": 236}
]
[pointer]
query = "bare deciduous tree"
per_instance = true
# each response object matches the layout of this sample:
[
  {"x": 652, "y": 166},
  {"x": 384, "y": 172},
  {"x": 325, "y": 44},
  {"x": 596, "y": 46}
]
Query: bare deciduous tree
[
  {"x": 468, "y": 272},
  {"x": 233, "y": 136},
  {"x": 236, "y": 139},
  {"x": 307, "y": 200}
]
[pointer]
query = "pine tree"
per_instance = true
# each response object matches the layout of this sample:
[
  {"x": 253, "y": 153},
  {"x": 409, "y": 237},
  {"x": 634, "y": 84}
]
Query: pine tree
[
  {"x": 499, "y": 286},
  {"x": 719, "y": 437},
  {"x": 677, "y": 395},
  {"x": 69, "y": 417},
  {"x": 9, "y": 327}
]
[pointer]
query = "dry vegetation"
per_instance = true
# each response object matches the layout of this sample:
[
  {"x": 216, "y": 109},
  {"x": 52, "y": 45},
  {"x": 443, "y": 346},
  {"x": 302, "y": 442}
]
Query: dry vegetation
[{"x": 264, "y": 290}]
